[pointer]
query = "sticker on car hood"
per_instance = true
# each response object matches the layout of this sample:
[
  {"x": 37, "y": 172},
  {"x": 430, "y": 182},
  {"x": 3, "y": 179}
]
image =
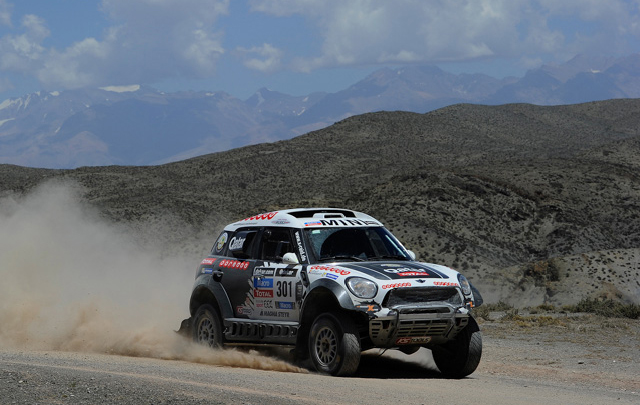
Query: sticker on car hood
[{"x": 396, "y": 271}]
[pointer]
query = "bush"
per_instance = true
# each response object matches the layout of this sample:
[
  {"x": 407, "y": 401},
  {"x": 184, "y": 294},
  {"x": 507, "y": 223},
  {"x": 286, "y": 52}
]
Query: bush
[
  {"x": 608, "y": 308},
  {"x": 484, "y": 311},
  {"x": 499, "y": 306},
  {"x": 542, "y": 308}
]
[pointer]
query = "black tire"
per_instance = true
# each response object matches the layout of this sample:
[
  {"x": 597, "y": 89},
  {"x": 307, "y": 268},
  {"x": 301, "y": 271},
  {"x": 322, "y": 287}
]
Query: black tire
[
  {"x": 207, "y": 329},
  {"x": 334, "y": 344},
  {"x": 460, "y": 357}
]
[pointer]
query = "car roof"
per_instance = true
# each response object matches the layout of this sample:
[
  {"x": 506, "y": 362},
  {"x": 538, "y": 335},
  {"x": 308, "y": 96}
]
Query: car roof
[{"x": 307, "y": 218}]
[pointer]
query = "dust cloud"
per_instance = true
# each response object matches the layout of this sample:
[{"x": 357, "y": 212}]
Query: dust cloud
[{"x": 69, "y": 281}]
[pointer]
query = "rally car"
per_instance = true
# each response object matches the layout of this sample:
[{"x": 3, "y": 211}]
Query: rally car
[{"x": 331, "y": 283}]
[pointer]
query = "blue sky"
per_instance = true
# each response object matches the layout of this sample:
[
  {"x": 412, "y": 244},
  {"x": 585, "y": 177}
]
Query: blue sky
[{"x": 293, "y": 46}]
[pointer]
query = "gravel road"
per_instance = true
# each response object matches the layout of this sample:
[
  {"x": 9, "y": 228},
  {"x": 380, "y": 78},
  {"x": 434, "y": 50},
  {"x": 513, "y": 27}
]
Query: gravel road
[{"x": 587, "y": 361}]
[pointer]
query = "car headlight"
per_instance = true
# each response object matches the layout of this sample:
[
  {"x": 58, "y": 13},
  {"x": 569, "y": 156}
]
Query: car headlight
[
  {"x": 361, "y": 287},
  {"x": 464, "y": 284}
]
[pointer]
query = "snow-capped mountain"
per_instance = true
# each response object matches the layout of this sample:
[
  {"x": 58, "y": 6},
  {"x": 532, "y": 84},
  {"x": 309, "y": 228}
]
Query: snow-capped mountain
[{"x": 138, "y": 125}]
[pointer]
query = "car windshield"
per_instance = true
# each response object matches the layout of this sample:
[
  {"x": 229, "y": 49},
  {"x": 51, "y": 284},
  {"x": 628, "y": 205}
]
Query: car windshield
[{"x": 357, "y": 244}]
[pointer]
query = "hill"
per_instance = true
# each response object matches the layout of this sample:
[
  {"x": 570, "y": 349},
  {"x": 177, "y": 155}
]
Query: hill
[{"x": 535, "y": 204}]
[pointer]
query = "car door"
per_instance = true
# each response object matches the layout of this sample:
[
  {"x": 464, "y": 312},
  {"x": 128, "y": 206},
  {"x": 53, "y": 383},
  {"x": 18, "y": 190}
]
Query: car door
[
  {"x": 235, "y": 268},
  {"x": 276, "y": 289}
]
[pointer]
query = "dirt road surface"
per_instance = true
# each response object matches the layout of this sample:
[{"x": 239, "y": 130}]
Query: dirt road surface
[{"x": 584, "y": 361}]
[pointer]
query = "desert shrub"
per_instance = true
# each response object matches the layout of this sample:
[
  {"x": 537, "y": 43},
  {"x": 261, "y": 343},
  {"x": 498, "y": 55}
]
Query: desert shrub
[
  {"x": 608, "y": 308},
  {"x": 483, "y": 312},
  {"x": 542, "y": 271},
  {"x": 542, "y": 308},
  {"x": 512, "y": 314},
  {"x": 528, "y": 321},
  {"x": 498, "y": 306}
]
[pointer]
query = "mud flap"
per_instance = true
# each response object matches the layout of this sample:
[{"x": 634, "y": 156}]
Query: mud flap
[{"x": 185, "y": 328}]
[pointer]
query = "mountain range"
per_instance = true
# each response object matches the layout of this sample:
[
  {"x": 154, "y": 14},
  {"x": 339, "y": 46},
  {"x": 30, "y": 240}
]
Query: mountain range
[{"x": 138, "y": 125}]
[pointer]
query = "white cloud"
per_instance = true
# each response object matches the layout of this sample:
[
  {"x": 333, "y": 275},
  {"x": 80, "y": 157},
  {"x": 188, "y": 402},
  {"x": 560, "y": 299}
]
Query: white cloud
[
  {"x": 5, "y": 84},
  {"x": 148, "y": 40},
  {"x": 359, "y": 32},
  {"x": 5, "y": 13},
  {"x": 23, "y": 52},
  {"x": 76, "y": 66},
  {"x": 267, "y": 60}
]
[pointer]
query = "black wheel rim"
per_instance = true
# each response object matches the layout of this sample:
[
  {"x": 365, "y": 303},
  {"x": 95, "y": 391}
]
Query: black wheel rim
[{"x": 206, "y": 333}]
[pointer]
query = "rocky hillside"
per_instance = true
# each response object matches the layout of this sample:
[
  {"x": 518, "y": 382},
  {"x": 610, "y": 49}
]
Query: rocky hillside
[{"x": 535, "y": 204}]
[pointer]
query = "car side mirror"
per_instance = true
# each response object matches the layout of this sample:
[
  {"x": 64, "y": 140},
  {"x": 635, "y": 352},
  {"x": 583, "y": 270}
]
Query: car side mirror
[
  {"x": 412, "y": 255},
  {"x": 290, "y": 258}
]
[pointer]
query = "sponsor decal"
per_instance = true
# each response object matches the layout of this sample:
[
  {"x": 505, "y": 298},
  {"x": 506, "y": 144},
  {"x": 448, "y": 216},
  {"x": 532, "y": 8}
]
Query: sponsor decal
[
  {"x": 313, "y": 223},
  {"x": 266, "y": 216},
  {"x": 261, "y": 271},
  {"x": 280, "y": 221},
  {"x": 406, "y": 270},
  {"x": 234, "y": 264},
  {"x": 208, "y": 261},
  {"x": 284, "y": 305},
  {"x": 303, "y": 254},
  {"x": 279, "y": 314},
  {"x": 346, "y": 222},
  {"x": 206, "y": 270},
  {"x": 368, "y": 307},
  {"x": 395, "y": 285},
  {"x": 413, "y": 274},
  {"x": 299, "y": 292},
  {"x": 244, "y": 310},
  {"x": 286, "y": 272},
  {"x": 409, "y": 272},
  {"x": 445, "y": 283},
  {"x": 264, "y": 304},
  {"x": 263, "y": 293},
  {"x": 322, "y": 269},
  {"x": 236, "y": 243},
  {"x": 331, "y": 276},
  {"x": 263, "y": 283},
  {"x": 413, "y": 340},
  {"x": 221, "y": 241}
]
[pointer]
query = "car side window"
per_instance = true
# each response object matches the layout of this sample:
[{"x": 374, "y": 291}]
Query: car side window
[
  {"x": 275, "y": 243},
  {"x": 241, "y": 244}
]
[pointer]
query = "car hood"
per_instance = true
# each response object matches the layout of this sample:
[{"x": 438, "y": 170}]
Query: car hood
[{"x": 393, "y": 270}]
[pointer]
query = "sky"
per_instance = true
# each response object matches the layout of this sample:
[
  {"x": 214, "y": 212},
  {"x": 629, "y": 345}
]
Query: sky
[{"x": 293, "y": 46}]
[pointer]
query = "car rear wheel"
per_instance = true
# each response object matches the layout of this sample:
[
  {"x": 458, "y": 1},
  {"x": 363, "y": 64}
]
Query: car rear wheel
[
  {"x": 461, "y": 356},
  {"x": 207, "y": 329},
  {"x": 334, "y": 344}
]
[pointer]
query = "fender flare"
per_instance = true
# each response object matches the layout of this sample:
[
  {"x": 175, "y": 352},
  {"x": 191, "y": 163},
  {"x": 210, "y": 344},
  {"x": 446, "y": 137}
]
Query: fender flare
[
  {"x": 477, "y": 298},
  {"x": 340, "y": 293},
  {"x": 217, "y": 291}
]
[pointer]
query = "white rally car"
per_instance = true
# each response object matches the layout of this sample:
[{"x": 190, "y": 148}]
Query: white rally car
[{"x": 331, "y": 283}]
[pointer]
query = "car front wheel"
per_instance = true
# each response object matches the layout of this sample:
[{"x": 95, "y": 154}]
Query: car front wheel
[
  {"x": 334, "y": 344},
  {"x": 461, "y": 356}
]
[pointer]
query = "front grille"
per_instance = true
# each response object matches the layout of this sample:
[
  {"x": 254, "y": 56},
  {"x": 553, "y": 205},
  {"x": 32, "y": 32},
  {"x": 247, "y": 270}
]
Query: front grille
[
  {"x": 408, "y": 328},
  {"x": 422, "y": 296}
]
